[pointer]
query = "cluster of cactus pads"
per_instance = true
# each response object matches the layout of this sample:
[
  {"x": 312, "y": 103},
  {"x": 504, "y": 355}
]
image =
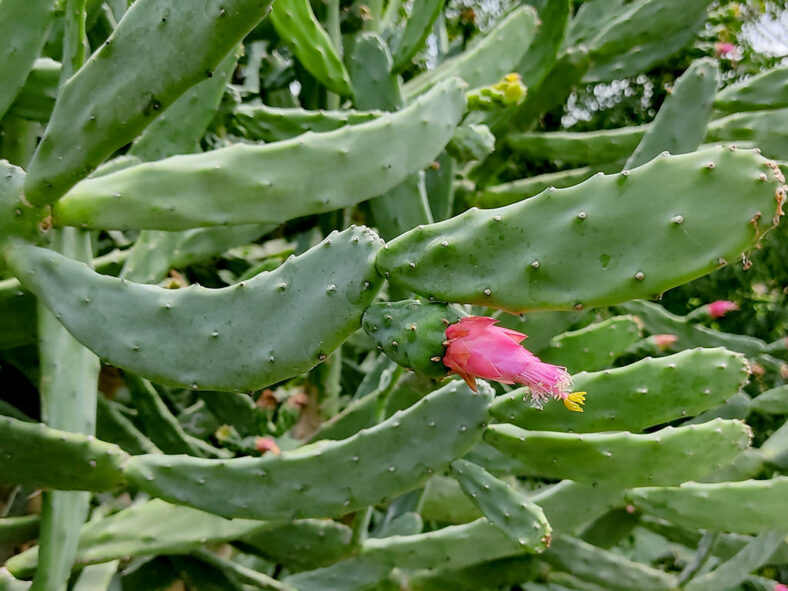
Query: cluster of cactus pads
[{"x": 292, "y": 426}]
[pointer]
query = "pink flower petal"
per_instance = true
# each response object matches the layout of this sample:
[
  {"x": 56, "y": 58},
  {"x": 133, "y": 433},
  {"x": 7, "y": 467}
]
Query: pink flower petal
[{"x": 478, "y": 348}]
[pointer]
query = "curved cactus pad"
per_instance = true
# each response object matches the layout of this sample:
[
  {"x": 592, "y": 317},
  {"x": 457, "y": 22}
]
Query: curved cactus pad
[
  {"x": 504, "y": 506},
  {"x": 748, "y": 507},
  {"x": 74, "y": 461},
  {"x": 668, "y": 456},
  {"x": 607, "y": 240},
  {"x": 272, "y": 183},
  {"x": 255, "y": 333},
  {"x": 452, "y": 547},
  {"x": 143, "y": 529},
  {"x": 117, "y": 93},
  {"x": 326, "y": 479}
]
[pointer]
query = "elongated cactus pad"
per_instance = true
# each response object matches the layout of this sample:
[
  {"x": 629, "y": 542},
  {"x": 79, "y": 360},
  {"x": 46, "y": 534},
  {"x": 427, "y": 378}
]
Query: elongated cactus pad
[
  {"x": 393, "y": 457},
  {"x": 506, "y": 508},
  {"x": 111, "y": 99},
  {"x": 669, "y": 456},
  {"x": 611, "y": 239},
  {"x": 216, "y": 339},
  {"x": 272, "y": 183},
  {"x": 748, "y": 507}
]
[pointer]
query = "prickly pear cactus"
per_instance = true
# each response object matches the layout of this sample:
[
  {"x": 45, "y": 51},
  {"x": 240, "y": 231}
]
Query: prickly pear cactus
[{"x": 255, "y": 331}]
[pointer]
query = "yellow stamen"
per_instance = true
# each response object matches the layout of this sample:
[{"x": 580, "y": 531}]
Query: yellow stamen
[{"x": 574, "y": 401}]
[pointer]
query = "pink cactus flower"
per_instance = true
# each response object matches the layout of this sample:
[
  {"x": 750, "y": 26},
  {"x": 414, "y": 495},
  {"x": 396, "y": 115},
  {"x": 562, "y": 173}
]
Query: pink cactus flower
[
  {"x": 475, "y": 348},
  {"x": 720, "y": 308},
  {"x": 780, "y": 587},
  {"x": 664, "y": 341}
]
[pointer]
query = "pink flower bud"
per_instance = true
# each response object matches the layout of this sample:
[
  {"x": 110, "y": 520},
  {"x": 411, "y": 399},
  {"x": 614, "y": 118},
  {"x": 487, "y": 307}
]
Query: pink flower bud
[
  {"x": 724, "y": 49},
  {"x": 720, "y": 308},
  {"x": 266, "y": 444},
  {"x": 475, "y": 348},
  {"x": 664, "y": 341}
]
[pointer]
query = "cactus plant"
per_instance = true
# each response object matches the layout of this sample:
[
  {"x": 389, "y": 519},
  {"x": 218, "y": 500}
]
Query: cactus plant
[{"x": 241, "y": 265}]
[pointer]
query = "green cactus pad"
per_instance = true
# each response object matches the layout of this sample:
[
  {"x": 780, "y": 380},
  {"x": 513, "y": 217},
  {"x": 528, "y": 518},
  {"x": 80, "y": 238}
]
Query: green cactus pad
[
  {"x": 412, "y": 333},
  {"x": 760, "y": 128},
  {"x": 17, "y": 530},
  {"x": 569, "y": 505},
  {"x": 735, "y": 570},
  {"x": 9, "y": 583},
  {"x": 766, "y": 90},
  {"x": 23, "y": 31},
  {"x": 493, "y": 574},
  {"x": 452, "y": 547},
  {"x": 508, "y": 258},
  {"x": 764, "y": 129},
  {"x": 506, "y": 508},
  {"x": 544, "y": 50},
  {"x": 18, "y": 311},
  {"x": 245, "y": 184},
  {"x": 402, "y": 208},
  {"x": 748, "y": 507},
  {"x": 393, "y": 457},
  {"x": 161, "y": 426},
  {"x": 440, "y": 187},
  {"x": 215, "y": 339},
  {"x": 609, "y": 569},
  {"x": 680, "y": 125},
  {"x": 152, "y": 527},
  {"x": 111, "y": 99},
  {"x": 593, "y": 347},
  {"x": 442, "y": 500},
  {"x": 155, "y": 253},
  {"x": 178, "y": 130},
  {"x": 514, "y": 191},
  {"x": 639, "y": 35},
  {"x": 304, "y": 544},
  {"x": 646, "y": 393},
  {"x": 609, "y": 529},
  {"x": 542, "y": 325},
  {"x": 418, "y": 26},
  {"x": 578, "y": 147},
  {"x": 657, "y": 320},
  {"x": 375, "y": 86},
  {"x": 297, "y": 25},
  {"x": 353, "y": 574},
  {"x": 114, "y": 426},
  {"x": 68, "y": 388},
  {"x": 773, "y": 401},
  {"x": 17, "y": 217},
  {"x": 668, "y": 456},
  {"x": 97, "y": 577},
  {"x": 362, "y": 412},
  {"x": 471, "y": 142},
  {"x": 774, "y": 450},
  {"x": 73, "y": 461},
  {"x": 36, "y": 99},
  {"x": 272, "y": 124}
]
